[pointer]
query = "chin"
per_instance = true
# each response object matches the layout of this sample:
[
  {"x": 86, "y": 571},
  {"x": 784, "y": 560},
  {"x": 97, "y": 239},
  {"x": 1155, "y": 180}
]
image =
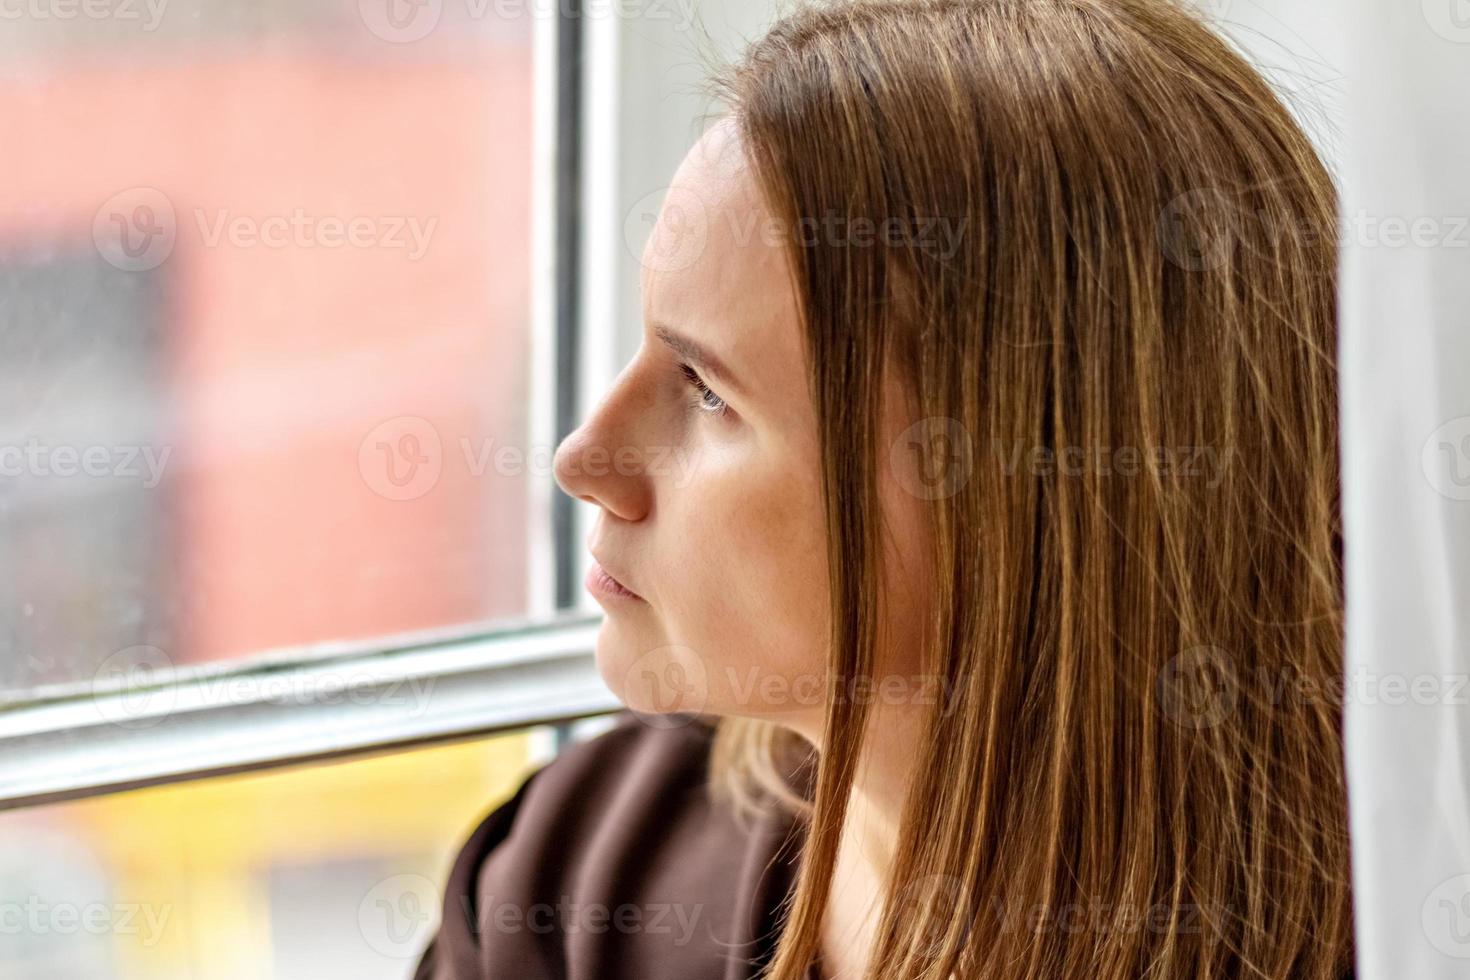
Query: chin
[
  {"x": 614, "y": 655},
  {"x": 650, "y": 675}
]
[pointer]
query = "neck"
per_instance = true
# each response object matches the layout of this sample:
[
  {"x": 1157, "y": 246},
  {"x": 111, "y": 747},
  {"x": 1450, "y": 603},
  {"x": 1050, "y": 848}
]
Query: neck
[{"x": 869, "y": 839}]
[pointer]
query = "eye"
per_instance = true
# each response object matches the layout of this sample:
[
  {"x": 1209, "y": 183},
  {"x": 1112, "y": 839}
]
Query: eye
[{"x": 705, "y": 399}]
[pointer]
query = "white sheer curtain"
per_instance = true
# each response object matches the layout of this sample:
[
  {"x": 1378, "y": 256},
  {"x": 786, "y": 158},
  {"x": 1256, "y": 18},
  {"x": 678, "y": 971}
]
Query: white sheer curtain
[{"x": 1405, "y": 359}]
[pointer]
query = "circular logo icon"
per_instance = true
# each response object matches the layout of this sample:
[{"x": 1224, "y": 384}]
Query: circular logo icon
[
  {"x": 666, "y": 687},
  {"x": 399, "y": 915},
  {"x": 401, "y": 459},
  {"x": 933, "y": 458},
  {"x": 1446, "y": 917},
  {"x": 1446, "y": 459},
  {"x": 1198, "y": 688},
  {"x": 400, "y": 21},
  {"x": 135, "y": 230},
  {"x": 1198, "y": 229},
  {"x": 1450, "y": 19},
  {"x": 670, "y": 238},
  {"x": 932, "y": 901},
  {"x": 128, "y": 688}
]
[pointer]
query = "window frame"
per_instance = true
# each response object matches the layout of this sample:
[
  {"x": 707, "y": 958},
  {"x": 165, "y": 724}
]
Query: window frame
[{"x": 85, "y": 739}]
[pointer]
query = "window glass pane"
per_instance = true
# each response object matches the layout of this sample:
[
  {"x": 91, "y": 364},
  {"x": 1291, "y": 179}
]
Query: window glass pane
[
  {"x": 263, "y": 326},
  {"x": 326, "y": 872}
]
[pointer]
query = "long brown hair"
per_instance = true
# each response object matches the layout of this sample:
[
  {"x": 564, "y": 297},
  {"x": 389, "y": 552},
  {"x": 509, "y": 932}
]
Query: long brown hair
[{"x": 1126, "y": 360}]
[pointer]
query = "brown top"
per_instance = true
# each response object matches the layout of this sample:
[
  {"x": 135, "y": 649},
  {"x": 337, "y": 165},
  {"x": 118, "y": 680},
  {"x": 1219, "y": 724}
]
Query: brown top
[{"x": 612, "y": 863}]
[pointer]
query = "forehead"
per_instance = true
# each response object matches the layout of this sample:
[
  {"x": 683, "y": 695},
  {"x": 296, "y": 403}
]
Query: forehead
[{"x": 715, "y": 265}]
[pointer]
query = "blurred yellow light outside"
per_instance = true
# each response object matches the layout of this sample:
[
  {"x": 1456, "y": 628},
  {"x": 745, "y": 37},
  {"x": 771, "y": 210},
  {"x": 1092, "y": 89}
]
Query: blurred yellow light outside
[{"x": 192, "y": 853}]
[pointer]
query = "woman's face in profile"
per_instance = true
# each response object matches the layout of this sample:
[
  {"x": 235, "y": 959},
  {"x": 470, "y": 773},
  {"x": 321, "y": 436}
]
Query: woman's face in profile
[{"x": 703, "y": 461}]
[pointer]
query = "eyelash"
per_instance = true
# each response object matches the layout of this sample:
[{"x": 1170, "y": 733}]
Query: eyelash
[{"x": 705, "y": 399}]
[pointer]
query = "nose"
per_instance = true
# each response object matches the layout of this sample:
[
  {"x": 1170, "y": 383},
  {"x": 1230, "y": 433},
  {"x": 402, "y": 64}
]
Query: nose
[{"x": 599, "y": 464}]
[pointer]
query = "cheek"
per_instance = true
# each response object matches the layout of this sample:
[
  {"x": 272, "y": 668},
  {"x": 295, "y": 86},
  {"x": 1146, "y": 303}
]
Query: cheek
[{"x": 743, "y": 585}]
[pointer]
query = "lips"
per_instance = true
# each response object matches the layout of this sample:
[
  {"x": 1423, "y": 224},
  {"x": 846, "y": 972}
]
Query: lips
[{"x": 602, "y": 581}]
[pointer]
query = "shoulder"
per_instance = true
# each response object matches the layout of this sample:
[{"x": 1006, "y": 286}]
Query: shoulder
[{"x": 610, "y": 861}]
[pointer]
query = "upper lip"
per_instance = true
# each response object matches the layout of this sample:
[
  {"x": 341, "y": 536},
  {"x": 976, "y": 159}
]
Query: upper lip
[{"x": 617, "y": 575}]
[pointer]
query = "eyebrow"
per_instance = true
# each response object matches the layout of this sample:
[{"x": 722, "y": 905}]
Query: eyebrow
[{"x": 701, "y": 356}]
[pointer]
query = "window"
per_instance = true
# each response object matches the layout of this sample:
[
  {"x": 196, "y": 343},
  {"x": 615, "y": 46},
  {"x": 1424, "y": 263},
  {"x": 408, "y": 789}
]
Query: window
[
  {"x": 296, "y": 300},
  {"x": 266, "y": 330}
]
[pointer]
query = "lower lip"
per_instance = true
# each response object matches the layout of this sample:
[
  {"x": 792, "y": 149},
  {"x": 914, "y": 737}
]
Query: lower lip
[{"x": 599, "y": 583}]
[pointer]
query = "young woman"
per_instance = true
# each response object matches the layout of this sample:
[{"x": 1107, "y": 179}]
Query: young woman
[{"x": 968, "y": 532}]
